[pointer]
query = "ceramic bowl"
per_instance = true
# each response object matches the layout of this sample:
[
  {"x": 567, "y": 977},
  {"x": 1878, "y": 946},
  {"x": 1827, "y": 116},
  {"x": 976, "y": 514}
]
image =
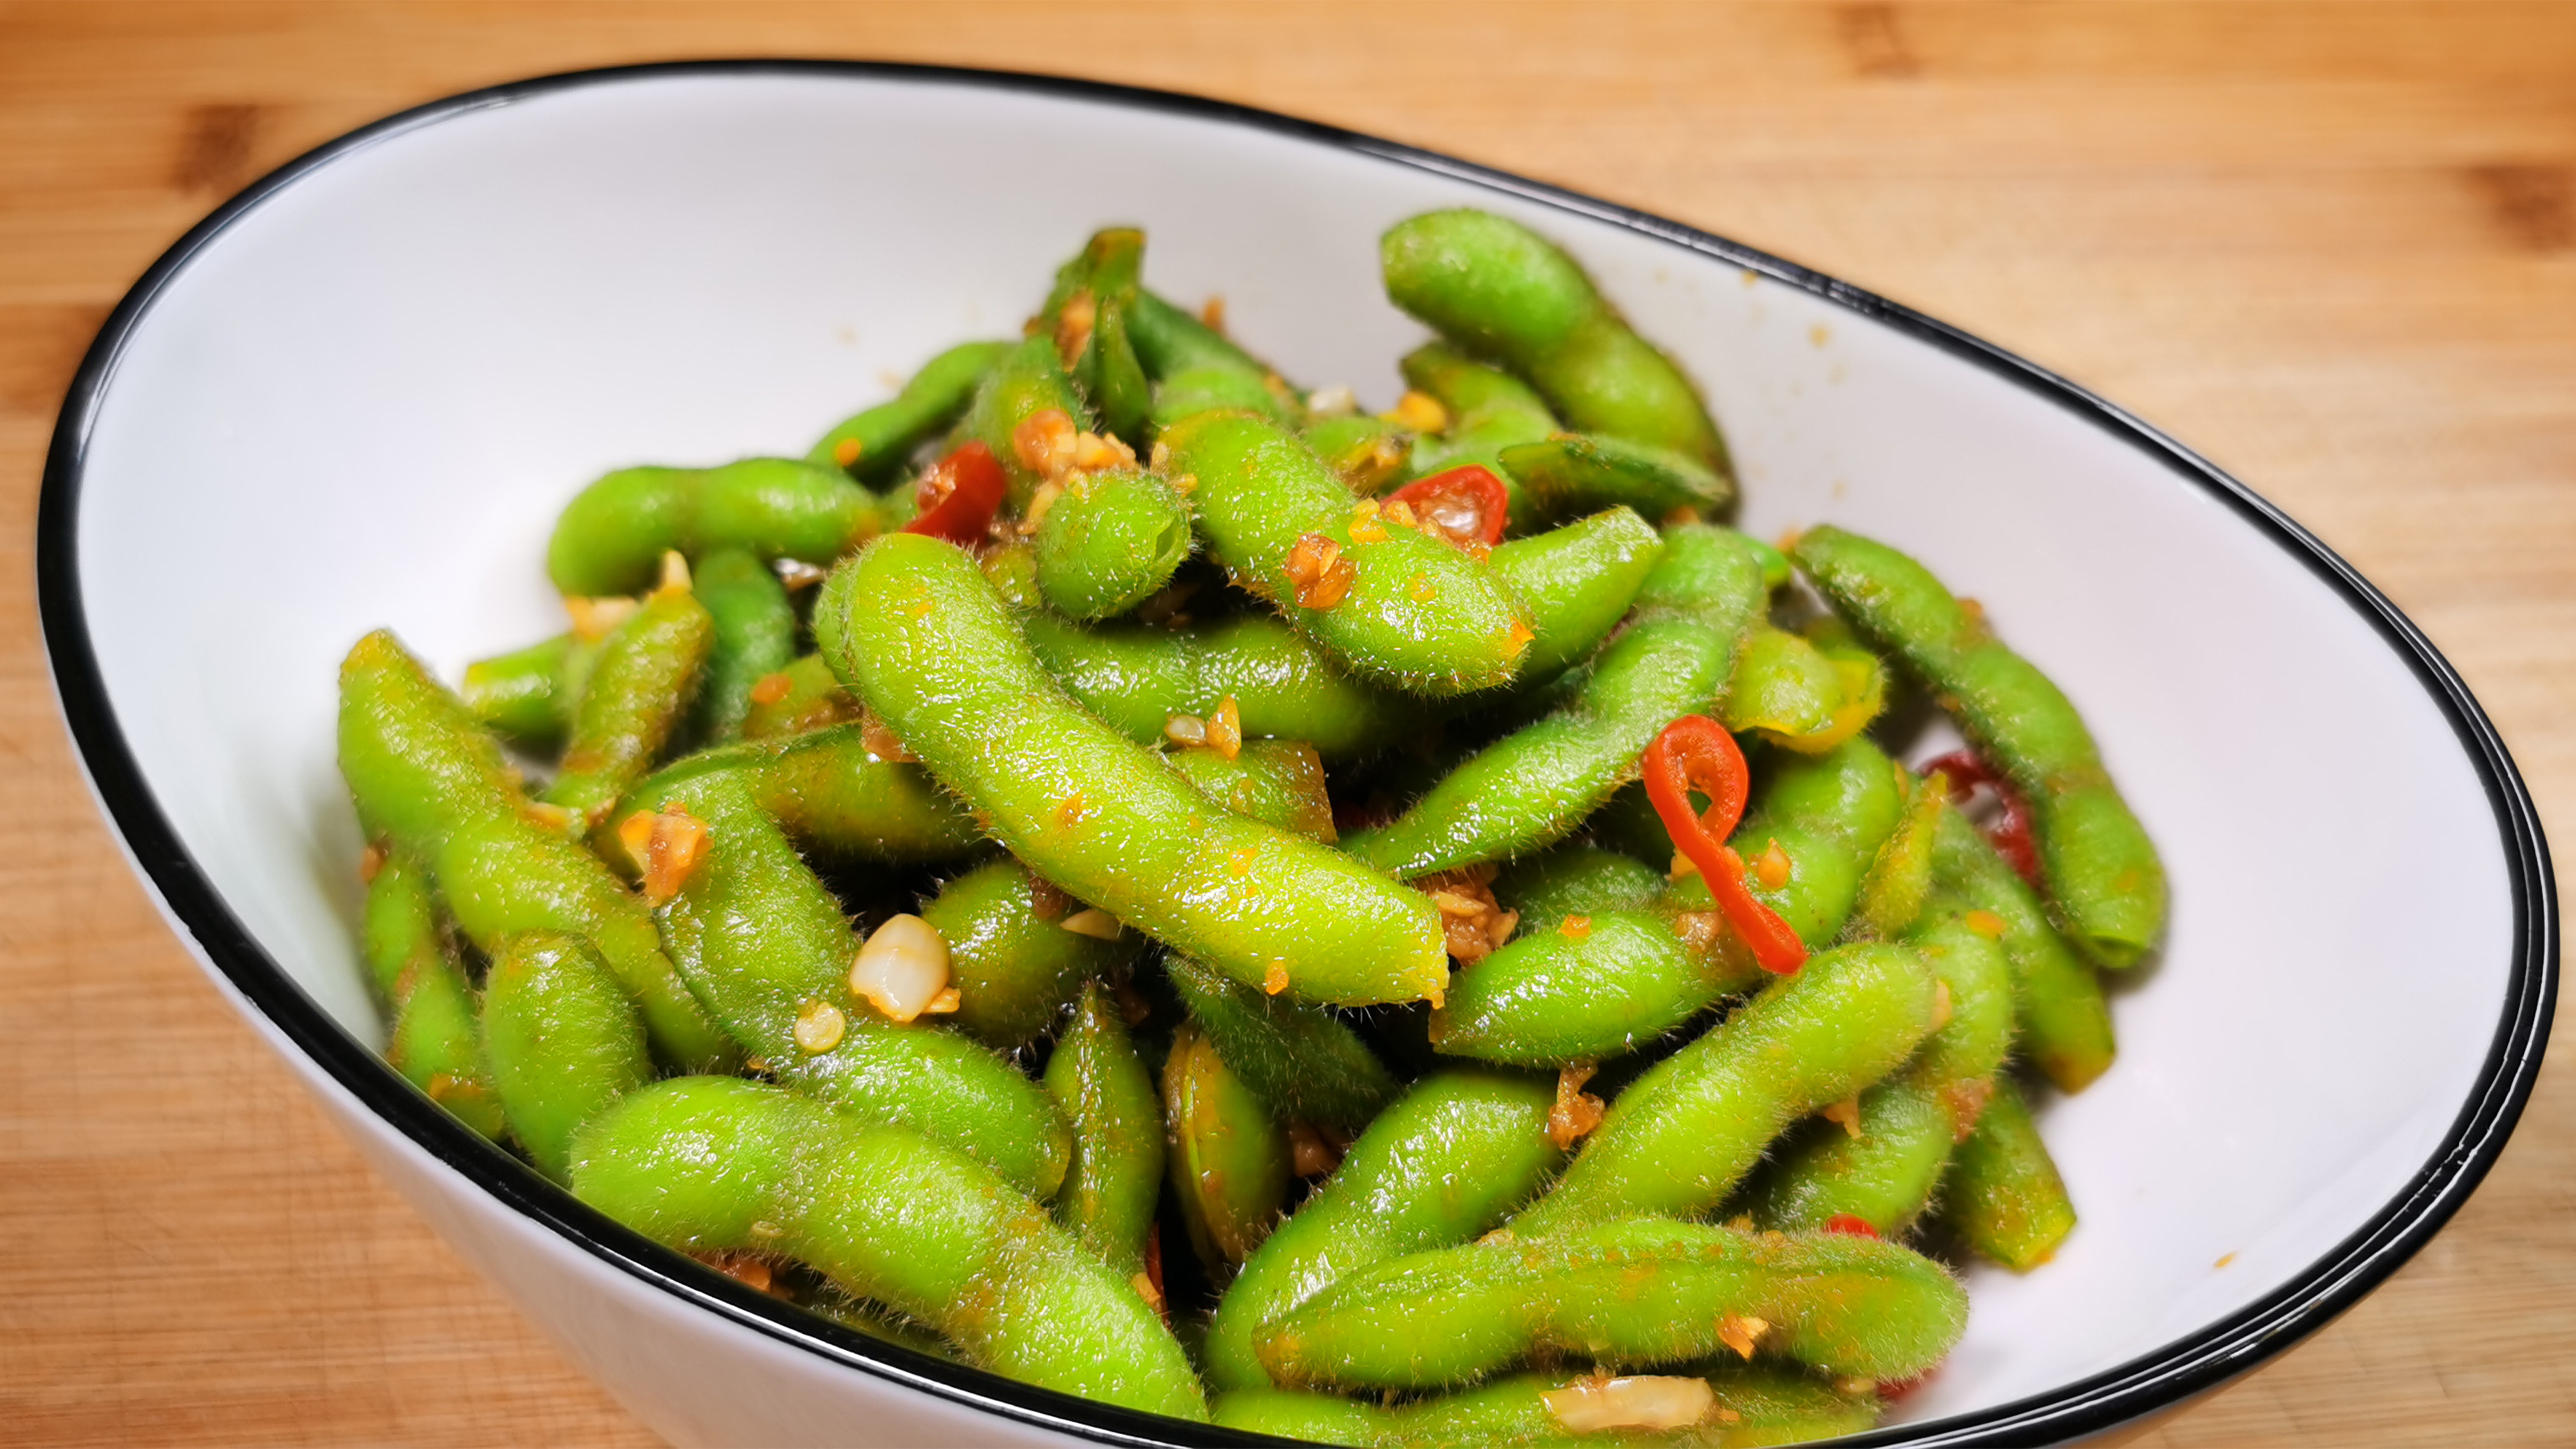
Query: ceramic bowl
[{"x": 358, "y": 394}]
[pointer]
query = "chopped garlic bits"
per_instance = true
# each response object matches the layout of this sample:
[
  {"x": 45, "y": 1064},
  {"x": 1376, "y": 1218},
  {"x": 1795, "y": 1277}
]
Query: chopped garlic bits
[
  {"x": 902, "y": 969},
  {"x": 1645, "y": 1401}
]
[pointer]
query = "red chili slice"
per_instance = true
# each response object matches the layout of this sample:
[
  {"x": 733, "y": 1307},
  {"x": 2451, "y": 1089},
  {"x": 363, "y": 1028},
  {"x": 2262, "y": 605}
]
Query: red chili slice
[
  {"x": 1696, "y": 752},
  {"x": 1468, "y": 504},
  {"x": 959, "y": 495},
  {"x": 1850, "y": 1225},
  {"x": 2011, "y": 835}
]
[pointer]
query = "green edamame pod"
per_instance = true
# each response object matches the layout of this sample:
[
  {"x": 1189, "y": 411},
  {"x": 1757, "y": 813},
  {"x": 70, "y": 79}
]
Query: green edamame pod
[
  {"x": 1228, "y": 1154},
  {"x": 1571, "y": 472},
  {"x": 1640, "y": 1292},
  {"x": 2102, "y": 871},
  {"x": 1106, "y": 1091},
  {"x": 2065, "y": 1022},
  {"x": 527, "y": 695},
  {"x": 430, "y": 1032},
  {"x": 1194, "y": 367},
  {"x": 436, "y": 785},
  {"x": 1499, "y": 290},
  {"x": 1588, "y": 988},
  {"x": 1681, "y": 1136},
  {"x": 1368, "y": 453},
  {"x": 764, "y": 945},
  {"x": 1389, "y": 603},
  {"x": 829, "y": 791},
  {"x": 564, "y": 1040},
  {"x": 2003, "y": 1195},
  {"x": 611, "y": 537},
  {"x": 1109, "y": 541},
  {"x": 1277, "y": 782},
  {"x": 1783, "y": 687},
  {"x": 641, "y": 685},
  {"x": 1135, "y": 677},
  {"x": 913, "y": 626},
  {"x": 1571, "y": 880},
  {"x": 873, "y": 445},
  {"x": 1300, "y": 1059},
  {"x": 1812, "y": 835},
  {"x": 1087, "y": 316},
  {"x": 754, "y": 637},
  {"x": 1443, "y": 1164},
  {"x": 715, "y": 1164},
  {"x": 1013, "y": 951},
  {"x": 1537, "y": 784},
  {"x": 1899, "y": 882},
  {"x": 1882, "y": 1165},
  {"x": 1028, "y": 380},
  {"x": 1577, "y": 582},
  {"x": 1489, "y": 410},
  {"x": 803, "y": 695},
  {"x": 1746, "y": 1405}
]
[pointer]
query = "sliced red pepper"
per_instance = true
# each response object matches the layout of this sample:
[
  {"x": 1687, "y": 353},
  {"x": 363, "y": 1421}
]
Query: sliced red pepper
[
  {"x": 959, "y": 495},
  {"x": 1467, "y": 503},
  {"x": 1968, "y": 771},
  {"x": 1696, "y": 752},
  {"x": 1851, "y": 1225}
]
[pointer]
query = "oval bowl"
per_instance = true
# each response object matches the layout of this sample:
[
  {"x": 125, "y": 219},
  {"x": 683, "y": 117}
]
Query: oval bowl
[{"x": 358, "y": 393}]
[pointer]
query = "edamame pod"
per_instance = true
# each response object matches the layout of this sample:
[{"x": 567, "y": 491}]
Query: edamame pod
[
  {"x": 2102, "y": 871},
  {"x": 1537, "y": 784},
  {"x": 1368, "y": 453},
  {"x": 430, "y": 1032},
  {"x": 1277, "y": 782},
  {"x": 1388, "y": 602},
  {"x": 765, "y": 946},
  {"x": 611, "y": 537},
  {"x": 913, "y": 626},
  {"x": 1681, "y": 1136},
  {"x": 1028, "y": 380},
  {"x": 1106, "y": 1092},
  {"x": 436, "y": 785},
  {"x": 829, "y": 791},
  {"x": 872, "y": 446},
  {"x": 802, "y": 696},
  {"x": 1087, "y": 315},
  {"x": 1570, "y": 472},
  {"x": 2003, "y": 1195},
  {"x": 1730, "y": 1407},
  {"x": 2065, "y": 1022},
  {"x": 564, "y": 1040},
  {"x": 1228, "y": 1154},
  {"x": 1588, "y": 988},
  {"x": 1444, "y": 1163},
  {"x": 1109, "y": 541},
  {"x": 1899, "y": 883},
  {"x": 1576, "y": 880},
  {"x": 1499, "y": 290},
  {"x": 711, "y": 1164},
  {"x": 1577, "y": 582},
  {"x": 1300, "y": 1059},
  {"x": 1194, "y": 367},
  {"x": 1881, "y": 1164},
  {"x": 1018, "y": 950},
  {"x": 527, "y": 695},
  {"x": 1489, "y": 410},
  {"x": 1812, "y": 835},
  {"x": 639, "y": 688},
  {"x": 1782, "y": 688},
  {"x": 1135, "y": 677},
  {"x": 1633, "y": 1293},
  {"x": 754, "y": 637}
]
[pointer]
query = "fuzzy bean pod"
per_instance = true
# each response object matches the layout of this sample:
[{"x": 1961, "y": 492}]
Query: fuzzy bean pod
[
  {"x": 1569, "y": 473},
  {"x": 1012, "y": 955},
  {"x": 1369, "y": 454},
  {"x": 1460, "y": 1149},
  {"x": 1390, "y": 603},
  {"x": 1489, "y": 410},
  {"x": 2065, "y": 1020},
  {"x": 1747, "y": 1405},
  {"x": 1027, "y": 380},
  {"x": 1194, "y": 368},
  {"x": 2003, "y": 1195},
  {"x": 564, "y": 1041},
  {"x": 639, "y": 691},
  {"x": 430, "y": 1032},
  {"x": 1680, "y": 1137},
  {"x": 802, "y": 695},
  {"x": 1300, "y": 1059},
  {"x": 1227, "y": 1153},
  {"x": 710, "y": 1164},
  {"x": 426, "y": 776},
  {"x": 1277, "y": 782},
  {"x": 915, "y": 629},
  {"x": 1576, "y": 880},
  {"x": 754, "y": 637},
  {"x": 873, "y": 445},
  {"x": 1633, "y": 1294},
  {"x": 1107, "y": 1093},
  {"x": 1109, "y": 541},
  {"x": 611, "y": 537},
  {"x": 2102, "y": 871},
  {"x": 1590, "y": 987},
  {"x": 527, "y": 696},
  {"x": 828, "y": 790}
]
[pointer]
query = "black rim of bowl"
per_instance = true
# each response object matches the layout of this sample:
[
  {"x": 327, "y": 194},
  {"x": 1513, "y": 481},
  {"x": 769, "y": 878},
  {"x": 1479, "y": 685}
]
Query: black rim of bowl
[{"x": 2187, "y": 1367}]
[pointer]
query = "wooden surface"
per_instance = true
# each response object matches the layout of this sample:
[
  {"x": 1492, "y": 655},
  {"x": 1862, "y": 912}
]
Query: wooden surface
[{"x": 2331, "y": 245}]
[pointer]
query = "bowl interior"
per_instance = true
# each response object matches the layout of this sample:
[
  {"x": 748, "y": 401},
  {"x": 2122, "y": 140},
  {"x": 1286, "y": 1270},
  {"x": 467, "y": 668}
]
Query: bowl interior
[{"x": 365, "y": 400}]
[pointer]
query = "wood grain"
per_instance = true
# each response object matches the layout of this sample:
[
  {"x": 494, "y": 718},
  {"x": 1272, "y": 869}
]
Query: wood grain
[{"x": 2331, "y": 245}]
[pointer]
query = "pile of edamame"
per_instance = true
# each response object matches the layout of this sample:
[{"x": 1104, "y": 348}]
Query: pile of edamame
[{"x": 1128, "y": 873}]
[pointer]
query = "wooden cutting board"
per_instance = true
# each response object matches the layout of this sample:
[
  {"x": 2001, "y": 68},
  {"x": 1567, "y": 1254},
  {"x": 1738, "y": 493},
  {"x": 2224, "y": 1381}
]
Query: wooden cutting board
[{"x": 2331, "y": 245}]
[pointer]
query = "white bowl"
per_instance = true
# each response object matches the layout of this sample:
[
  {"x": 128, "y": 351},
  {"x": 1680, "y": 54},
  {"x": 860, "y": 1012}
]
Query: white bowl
[{"x": 358, "y": 394}]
